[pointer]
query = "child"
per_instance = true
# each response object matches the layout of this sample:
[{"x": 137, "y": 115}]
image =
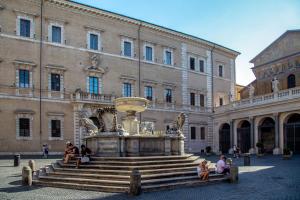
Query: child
[
  {"x": 203, "y": 171},
  {"x": 45, "y": 150}
]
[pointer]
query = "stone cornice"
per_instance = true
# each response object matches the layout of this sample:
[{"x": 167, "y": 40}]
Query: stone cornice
[{"x": 111, "y": 15}]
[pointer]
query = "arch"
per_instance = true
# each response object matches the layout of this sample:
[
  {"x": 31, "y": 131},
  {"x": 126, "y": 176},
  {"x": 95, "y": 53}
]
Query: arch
[
  {"x": 291, "y": 81},
  {"x": 243, "y": 136},
  {"x": 266, "y": 134},
  {"x": 224, "y": 138},
  {"x": 292, "y": 132}
]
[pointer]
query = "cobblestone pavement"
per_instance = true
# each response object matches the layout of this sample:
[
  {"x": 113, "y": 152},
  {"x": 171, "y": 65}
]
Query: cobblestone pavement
[{"x": 269, "y": 177}]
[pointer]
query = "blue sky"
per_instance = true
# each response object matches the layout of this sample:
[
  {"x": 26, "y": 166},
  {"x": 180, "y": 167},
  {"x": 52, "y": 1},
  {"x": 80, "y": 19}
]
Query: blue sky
[{"x": 247, "y": 26}]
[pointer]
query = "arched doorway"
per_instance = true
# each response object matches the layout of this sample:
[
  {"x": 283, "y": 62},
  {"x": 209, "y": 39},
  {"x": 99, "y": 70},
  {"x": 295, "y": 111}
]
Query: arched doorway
[
  {"x": 291, "y": 81},
  {"x": 292, "y": 133},
  {"x": 224, "y": 138},
  {"x": 266, "y": 133},
  {"x": 243, "y": 136}
]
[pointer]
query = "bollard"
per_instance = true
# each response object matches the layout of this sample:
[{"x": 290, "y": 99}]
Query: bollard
[
  {"x": 31, "y": 164},
  {"x": 17, "y": 158},
  {"x": 135, "y": 183},
  {"x": 247, "y": 160},
  {"x": 26, "y": 176},
  {"x": 234, "y": 174}
]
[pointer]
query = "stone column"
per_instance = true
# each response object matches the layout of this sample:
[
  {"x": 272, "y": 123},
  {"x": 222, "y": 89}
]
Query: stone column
[
  {"x": 252, "y": 128},
  {"x": 276, "y": 151},
  {"x": 77, "y": 108},
  {"x": 231, "y": 135}
]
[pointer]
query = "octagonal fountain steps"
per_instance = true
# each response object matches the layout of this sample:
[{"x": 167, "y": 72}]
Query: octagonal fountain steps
[{"x": 112, "y": 174}]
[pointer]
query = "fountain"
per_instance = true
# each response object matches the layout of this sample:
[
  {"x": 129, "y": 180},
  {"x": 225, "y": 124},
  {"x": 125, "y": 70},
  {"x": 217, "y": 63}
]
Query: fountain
[
  {"x": 127, "y": 139},
  {"x": 131, "y": 105}
]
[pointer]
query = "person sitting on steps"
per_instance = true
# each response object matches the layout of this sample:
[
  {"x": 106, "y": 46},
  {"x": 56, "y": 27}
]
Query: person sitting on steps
[
  {"x": 71, "y": 152},
  {"x": 203, "y": 171},
  {"x": 221, "y": 166},
  {"x": 85, "y": 156}
]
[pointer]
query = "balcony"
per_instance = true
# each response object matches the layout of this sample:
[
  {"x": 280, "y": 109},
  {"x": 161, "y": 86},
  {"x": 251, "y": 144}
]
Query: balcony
[
  {"x": 85, "y": 97},
  {"x": 282, "y": 95}
]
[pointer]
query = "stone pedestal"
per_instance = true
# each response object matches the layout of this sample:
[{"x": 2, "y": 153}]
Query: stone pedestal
[
  {"x": 234, "y": 174},
  {"x": 26, "y": 176},
  {"x": 135, "y": 183},
  {"x": 131, "y": 125},
  {"x": 31, "y": 164}
]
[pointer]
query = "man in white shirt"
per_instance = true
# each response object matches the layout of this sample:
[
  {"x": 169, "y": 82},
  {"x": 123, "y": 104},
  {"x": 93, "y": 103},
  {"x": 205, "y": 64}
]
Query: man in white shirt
[{"x": 222, "y": 168}]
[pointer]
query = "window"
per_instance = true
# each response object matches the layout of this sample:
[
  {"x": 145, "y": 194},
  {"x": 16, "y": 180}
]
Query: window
[
  {"x": 192, "y": 99},
  {"x": 193, "y": 133},
  {"x": 24, "y": 127},
  {"x": 149, "y": 53},
  {"x": 201, "y": 100},
  {"x": 127, "y": 49},
  {"x": 168, "y": 57},
  {"x": 55, "y": 128},
  {"x": 56, "y": 34},
  {"x": 55, "y": 82},
  {"x": 94, "y": 39},
  {"x": 202, "y": 134},
  {"x": 148, "y": 93},
  {"x": 220, "y": 70},
  {"x": 168, "y": 95},
  {"x": 291, "y": 81},
  {"x": 221, "y": 101},
  {"x": 94, "y": 85},
  {"x": 23, "y": 78},
  {"x": 192, "y": 63},
  {"x": 201, "y": 65},
  {"x": 25, "y": 27},
  {"x": 127, "y": 90}
]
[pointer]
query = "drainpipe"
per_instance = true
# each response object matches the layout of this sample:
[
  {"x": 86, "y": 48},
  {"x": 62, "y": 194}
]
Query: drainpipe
[
  {"x": 212, "y": 78},
  {"x": 139, "y": 64},
  {"x": 41, "y": 59}
]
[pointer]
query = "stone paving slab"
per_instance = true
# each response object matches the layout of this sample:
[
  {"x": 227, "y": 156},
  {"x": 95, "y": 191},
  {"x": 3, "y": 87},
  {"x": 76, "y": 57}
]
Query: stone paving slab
[{"x": 267, "y": 178}]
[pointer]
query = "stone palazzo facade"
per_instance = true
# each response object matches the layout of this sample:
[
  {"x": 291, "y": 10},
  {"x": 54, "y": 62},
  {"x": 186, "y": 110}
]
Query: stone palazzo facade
[
  {"x": 59, "y": 59},
  {"x": 269, "y": 109}
]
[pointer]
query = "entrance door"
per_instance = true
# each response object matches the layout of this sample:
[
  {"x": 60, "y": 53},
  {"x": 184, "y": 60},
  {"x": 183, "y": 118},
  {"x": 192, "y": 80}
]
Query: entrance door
[
  {"x": 243, "y": 137},
  {"x": 267, "y": 134},
  {"x": 292, "y": 137},
  {"x": 224, "y": 138}
]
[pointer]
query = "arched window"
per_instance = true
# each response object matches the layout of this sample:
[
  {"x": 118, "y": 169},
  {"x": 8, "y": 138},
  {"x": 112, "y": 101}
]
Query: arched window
[{"x": 291, "y": 81}]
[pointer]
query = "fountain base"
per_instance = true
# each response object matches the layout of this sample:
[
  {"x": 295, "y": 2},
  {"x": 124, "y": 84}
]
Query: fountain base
[{"x": 113, "y": 145}]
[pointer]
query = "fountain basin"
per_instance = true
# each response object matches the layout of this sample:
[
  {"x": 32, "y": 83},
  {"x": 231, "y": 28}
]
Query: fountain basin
[{"x": 131, "y": 105}]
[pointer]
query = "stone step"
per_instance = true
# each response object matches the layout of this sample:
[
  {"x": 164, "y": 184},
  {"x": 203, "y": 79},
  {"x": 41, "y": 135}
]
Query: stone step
[
  {"x": 138, "y": 163},
  {"x": 143, "y": 158},
  {"x": 122, "y": 167},
  {"x": 93, "y": 171},
  {"x": 126, "y": 172},
  {"x": 102, "y": 182},
  {"x": 160, "y": 180},
  {"x": 81, "y": 186},
  {"x": 89, "y": 176},
  {"x": 168, "y": 174},
  {"x": 121, "y": 177},
  {"x": 190, "y": 183}
]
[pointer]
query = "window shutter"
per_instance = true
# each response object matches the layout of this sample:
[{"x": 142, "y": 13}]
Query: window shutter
[
  {"x": 87, "y": 84},
  {"x": 145, "y": 92},
  {"x": 123, "y": 90}
]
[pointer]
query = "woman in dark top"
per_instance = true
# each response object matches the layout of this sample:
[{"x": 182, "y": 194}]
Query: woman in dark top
[{"x": 85, "y": 156}]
